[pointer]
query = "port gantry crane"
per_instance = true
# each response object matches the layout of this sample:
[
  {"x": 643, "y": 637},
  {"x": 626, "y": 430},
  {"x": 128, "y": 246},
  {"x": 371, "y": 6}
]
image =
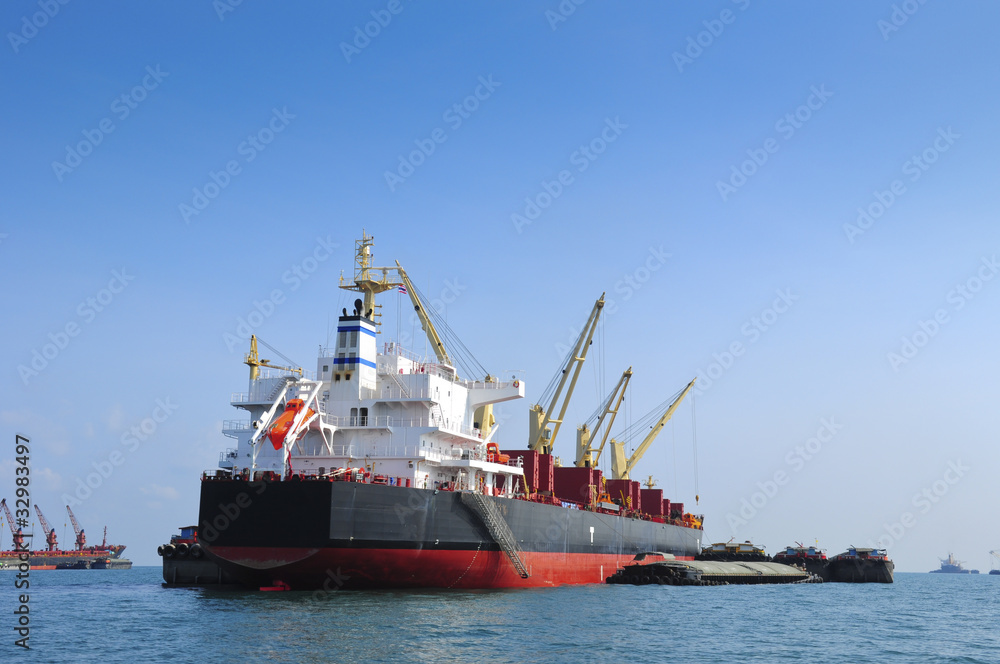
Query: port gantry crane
[
  {"x": 50, "y": 533},
  {"x": 541, "y": 437},
  {"x": 81, "y": 538},
  {"x": 586, "y": 455},
  {"x": 620, "y": 467},
  {"x": 18, "y": 535}
]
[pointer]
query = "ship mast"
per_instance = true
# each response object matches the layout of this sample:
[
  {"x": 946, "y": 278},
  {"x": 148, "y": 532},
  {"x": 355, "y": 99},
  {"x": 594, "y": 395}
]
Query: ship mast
[{"x": 367, "y": 279}]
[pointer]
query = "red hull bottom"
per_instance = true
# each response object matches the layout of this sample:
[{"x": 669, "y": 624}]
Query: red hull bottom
[{"x": 332, "y": 569}]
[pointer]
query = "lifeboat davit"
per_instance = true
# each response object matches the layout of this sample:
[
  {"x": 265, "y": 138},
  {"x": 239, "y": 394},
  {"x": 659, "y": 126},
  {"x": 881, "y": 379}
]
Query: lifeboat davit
[{"x": 284, "y": 423}]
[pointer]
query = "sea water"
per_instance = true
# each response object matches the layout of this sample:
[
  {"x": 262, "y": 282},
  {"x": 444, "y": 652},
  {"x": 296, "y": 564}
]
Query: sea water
[{"x": 127, "y": 616}]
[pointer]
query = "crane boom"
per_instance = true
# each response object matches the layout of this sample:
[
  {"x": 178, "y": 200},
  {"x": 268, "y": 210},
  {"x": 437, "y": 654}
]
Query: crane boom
[
  {"x": 540, "y": 437},
  {"x": 16, "y": 534},
  {"x": 370, "y": 280},
  {"x": 81, "y": 538},
  {"x": 50, "y": 532},
  {"x": 425, "y": 322},
  {"x": 620, "y": 468},
  {"x": 586, "y": 455},
  {"x": 253, "y": 361}
]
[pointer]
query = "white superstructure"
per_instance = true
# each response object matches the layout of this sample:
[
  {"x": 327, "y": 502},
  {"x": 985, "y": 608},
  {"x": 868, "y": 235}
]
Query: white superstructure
[{"x": 402, "y": 419}]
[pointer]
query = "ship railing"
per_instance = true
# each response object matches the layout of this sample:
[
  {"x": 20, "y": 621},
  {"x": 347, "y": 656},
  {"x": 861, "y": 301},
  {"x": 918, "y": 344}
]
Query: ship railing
[
  {"x": 389, "y": 421},
  {"x": 239, "y": 397},
  {"x": 362, "y": 451},
  {"x": 227, "y": 459},
  {"x": 393, "y": 348},
  {"x": 270, "y": 372},
  {"x": 235, "y": 425}
]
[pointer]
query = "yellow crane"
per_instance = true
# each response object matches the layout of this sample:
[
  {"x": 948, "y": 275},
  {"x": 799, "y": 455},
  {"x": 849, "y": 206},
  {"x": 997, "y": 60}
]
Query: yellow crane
[
  {"x": 425, "y": 322},
  {"x": 483, "y": 417},
  {"x": 253, "y": 360},
  {"x": 620, "y": 467},
  {"x": 586, "y": 455},
  {"x": 541, "y": 437}
]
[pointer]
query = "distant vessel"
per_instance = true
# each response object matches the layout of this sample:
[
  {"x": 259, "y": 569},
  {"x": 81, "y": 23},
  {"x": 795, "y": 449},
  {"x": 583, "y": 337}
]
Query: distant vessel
[
  {"x": 105, "y": 556},
  {"x": 951, "y": 566}
]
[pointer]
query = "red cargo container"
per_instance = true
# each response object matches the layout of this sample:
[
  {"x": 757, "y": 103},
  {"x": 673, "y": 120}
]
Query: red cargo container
[
  {"x": 651, "y": 501},
  {"x": 546, "y": 477},
  {"x": 580, "y": 485},
  {"x": 529, "y": 463},
  {"x": 666, "y": 507},
  {"x": 676, "y": 509},
  {"x": 621, "y": 493},
  {"x": 634, "y": 489}
]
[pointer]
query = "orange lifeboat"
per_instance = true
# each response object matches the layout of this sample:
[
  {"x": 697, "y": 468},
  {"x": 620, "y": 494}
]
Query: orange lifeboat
[
  {"x": 284, "y": 423},
  {"x": 493, "y": 454}
]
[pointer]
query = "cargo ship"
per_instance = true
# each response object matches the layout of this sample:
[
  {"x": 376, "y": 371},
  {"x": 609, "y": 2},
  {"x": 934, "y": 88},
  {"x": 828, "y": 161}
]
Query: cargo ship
[
  {"x": 950, "y": 565},
  {"x": 105, "y": 556},
  {"x": 381, "y": 470}
]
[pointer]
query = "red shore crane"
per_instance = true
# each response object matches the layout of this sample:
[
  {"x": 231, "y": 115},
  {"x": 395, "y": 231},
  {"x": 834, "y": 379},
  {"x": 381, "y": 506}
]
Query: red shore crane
[
  {"x": 18, "y": 535},
  {"x": 50, "y": 533},
  {"x": 81, "y": 538}
]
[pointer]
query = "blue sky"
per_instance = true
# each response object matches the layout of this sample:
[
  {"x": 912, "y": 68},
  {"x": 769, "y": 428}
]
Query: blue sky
[{"x": 702, "y": 164}]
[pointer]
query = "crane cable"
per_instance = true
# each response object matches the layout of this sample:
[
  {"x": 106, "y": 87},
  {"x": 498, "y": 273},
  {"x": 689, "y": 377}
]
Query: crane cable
[{"x": 694, "y": 442}]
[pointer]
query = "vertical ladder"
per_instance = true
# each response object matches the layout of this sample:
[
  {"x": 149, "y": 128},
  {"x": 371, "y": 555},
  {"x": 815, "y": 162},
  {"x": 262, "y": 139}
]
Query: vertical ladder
[{"x": 491, "y": 517}]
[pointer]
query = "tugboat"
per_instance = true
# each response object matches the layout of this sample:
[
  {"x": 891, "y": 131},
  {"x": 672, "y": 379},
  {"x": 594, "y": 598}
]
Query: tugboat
[
  {"x": 857, "y": 565},
  {"x": 951, "y": 566},
  {"x": 812, "y": 559}
]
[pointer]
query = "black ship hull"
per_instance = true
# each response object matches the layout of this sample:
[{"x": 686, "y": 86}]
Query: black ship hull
[{"x": 318, "y": 534}]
